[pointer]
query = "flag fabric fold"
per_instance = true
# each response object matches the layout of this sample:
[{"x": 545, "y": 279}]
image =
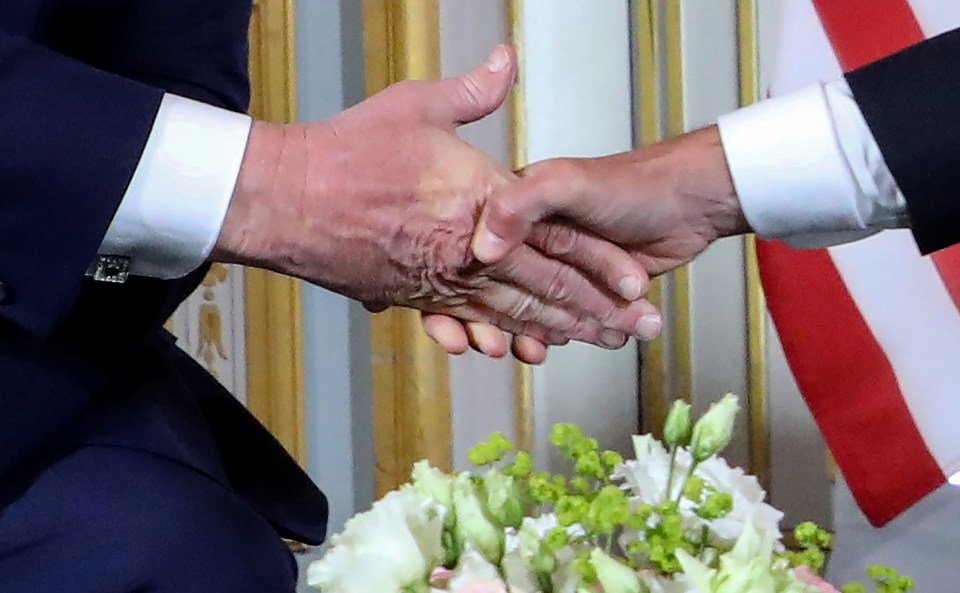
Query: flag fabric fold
[{"x": 871, "y": 330}]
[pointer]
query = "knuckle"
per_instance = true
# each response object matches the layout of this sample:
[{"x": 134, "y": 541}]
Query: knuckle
[
  {"x": 503, "y": 211},
  {"x": 560, "y": 240},
  {"x": 526, "y": 309},
  {"x": 563, "y": 286}
]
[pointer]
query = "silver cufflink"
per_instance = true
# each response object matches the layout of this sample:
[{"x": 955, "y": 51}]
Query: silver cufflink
[{"x": 112, "y": 268}]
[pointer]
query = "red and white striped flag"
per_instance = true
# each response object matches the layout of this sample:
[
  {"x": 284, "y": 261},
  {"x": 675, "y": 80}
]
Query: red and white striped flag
[{"x": 871, "y": 329}]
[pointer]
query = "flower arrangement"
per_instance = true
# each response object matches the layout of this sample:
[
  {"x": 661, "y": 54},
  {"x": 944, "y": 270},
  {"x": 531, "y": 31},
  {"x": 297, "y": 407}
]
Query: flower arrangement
[{"x": 676, "y": 519}]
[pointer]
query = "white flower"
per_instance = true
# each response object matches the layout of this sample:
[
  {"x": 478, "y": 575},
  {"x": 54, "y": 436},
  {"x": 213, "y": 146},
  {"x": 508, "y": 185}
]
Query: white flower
[
  {"x": 646, "y": 481},
  {"x": 520, "y": 549},
  {"x": 392, "y": 548},
  {"x": 646, "y": 476},
  {"x": 472, "y": 526},
  {"x": 748, "y": 500},
  {"x": 749, "y": 566},
  {"x": 432, "y": 482},
  {"x": 657, "y": 583},
  {"x": 614, "y": 576},
  {"x": 474, "y": 572}
]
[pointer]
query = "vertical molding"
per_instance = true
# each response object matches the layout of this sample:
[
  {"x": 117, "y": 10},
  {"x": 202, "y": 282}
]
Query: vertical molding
[
  {"x": 679, "y": 315},
  {"x": 517, "y": 131},
  {"x": 411, "y": 379},
  {"x": 749, "y": 71},
  {"x": 655, "y": 391},
  {"x": 274, "y": 337}
]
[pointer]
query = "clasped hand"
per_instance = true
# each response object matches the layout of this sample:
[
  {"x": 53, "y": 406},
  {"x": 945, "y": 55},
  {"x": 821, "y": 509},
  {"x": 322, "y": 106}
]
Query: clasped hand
[
  {"x": 386, "y": 205},
  {"x": 380, "y": 204}
]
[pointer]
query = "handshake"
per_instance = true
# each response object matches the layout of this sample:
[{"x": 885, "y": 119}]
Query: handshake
[{"x": 385, "y": 204}]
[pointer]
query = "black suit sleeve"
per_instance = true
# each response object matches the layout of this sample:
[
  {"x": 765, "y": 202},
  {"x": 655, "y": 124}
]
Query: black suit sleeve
[
  {"x": 911, "y": 102},
  {"x": 70, "y": 140}
]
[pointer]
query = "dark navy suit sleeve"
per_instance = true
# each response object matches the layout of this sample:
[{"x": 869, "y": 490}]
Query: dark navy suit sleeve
[
  {"x": 70, "y": 140},
  {"x": 77, "y": 102},
  {"x": 911, "y": 102}
]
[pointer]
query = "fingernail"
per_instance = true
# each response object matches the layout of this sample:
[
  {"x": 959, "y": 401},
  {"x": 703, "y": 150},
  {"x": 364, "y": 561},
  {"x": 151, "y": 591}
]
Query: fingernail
[
  {"x": 648, "y": 326},
  {"x": 611, "y": 338},
  {"x": 487, "y": 246},
  {"x": 498, "y": 59},
  {"x": 631, "y": 288}
]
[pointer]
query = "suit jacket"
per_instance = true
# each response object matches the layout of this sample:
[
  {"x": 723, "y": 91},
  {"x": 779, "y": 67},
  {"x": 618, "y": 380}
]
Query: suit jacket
[
  {"x": 910, "y": 103},
  {"x": 84, "y": 362}
]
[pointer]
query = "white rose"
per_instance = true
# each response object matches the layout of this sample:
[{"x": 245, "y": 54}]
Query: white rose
[{"x": 399, "y": 535}]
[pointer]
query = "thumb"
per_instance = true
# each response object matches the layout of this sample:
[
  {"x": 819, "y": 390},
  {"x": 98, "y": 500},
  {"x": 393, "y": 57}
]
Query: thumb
[
  {"x": 477, "y": 93},
  {"x": 509, "y": 215}
]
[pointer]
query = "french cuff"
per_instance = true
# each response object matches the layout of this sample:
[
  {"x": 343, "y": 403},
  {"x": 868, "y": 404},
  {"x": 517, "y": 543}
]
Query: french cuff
[
  {"x": 172, "y": 212},
  {"x": 788, "y": 168}
]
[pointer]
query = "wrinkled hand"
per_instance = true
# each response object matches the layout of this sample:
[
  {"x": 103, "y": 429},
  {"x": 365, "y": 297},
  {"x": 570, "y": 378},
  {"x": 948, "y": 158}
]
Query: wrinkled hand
[
  {"x": 380, "y": 204},
  {"x": 664, "y": 204}
]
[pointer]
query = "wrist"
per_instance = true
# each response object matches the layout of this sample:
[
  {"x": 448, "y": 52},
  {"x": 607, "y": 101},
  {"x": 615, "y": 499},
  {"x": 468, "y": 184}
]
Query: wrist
[
  {"x": 245, "y": 236},
  {"x": 713, "y": 183}
]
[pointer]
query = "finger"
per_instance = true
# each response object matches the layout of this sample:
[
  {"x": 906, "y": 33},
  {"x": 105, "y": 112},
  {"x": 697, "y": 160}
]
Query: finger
[
  {"x": 486, "y": 339},
  {"x": 546, "y": 282},
  {"x": 474, "y": 312},
  {"x": 446, "y": 331},
  {"x": 476, "y": 94},
  {"x": 529, "y": 350},
  {"x": 556, "y": 325},
  {"x": 599, "y": 259},
  {"x": 544, "y": 189}
]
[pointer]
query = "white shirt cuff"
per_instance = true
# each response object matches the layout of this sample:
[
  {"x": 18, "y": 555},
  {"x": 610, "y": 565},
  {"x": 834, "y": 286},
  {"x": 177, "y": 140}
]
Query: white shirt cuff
[
  {"x": 171, "y": 214},
  {"x": 807, "y": 169}
]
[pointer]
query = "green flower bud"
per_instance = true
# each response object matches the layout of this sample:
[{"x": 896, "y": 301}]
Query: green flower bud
[
  {"x": 579, "y": 485},
  {"x": 717, "y": 505},
  {"x": 693, "y": 488},
  {"x": 540, "y": 488},
  {"x": 522, "y": 465},
  {"x": 571, "y": 509},
  {"x": 472, "y": 526},
  {"x": 614, "y": 576},
  {"x": 500, "y": 443},
  {"x": 806, "y": 532},
  {"x": 676, "y": 430},
  {"x": 853, "y": 587},
  {"x": 432, "y": 482},
  {"x": 490, "y": 451},
  {"x": 585, "y": 569},
  {"x": 589, "y": 466},
  {"x": 556, "y": 538},
  {"x": 502, "y": 502},
  {"x": 611, "y": 459},
  {"x": 714, "y": 429}
]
